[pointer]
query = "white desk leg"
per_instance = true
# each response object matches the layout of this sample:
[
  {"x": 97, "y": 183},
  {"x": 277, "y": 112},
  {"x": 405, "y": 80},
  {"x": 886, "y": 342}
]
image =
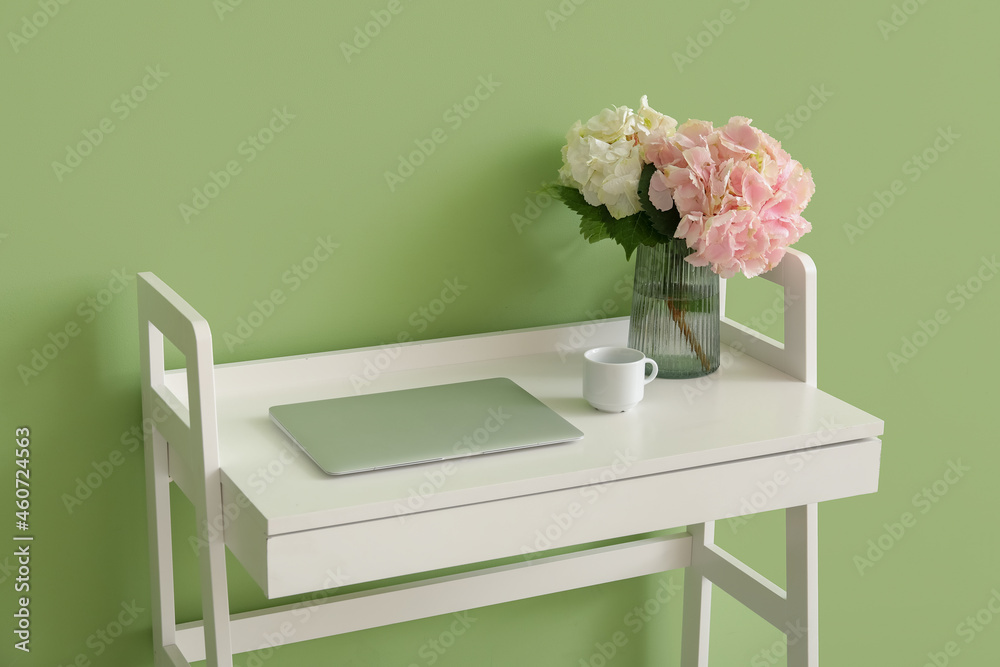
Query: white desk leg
[
  {"x": 802, "y": 574},
  {"x": 191, "y": 428},
  {"x": 212, "y": 557},
  {"x": 697, "y": 600},
  {"x": 214, "y": 591},
  {"x": 161, "y": 562}
]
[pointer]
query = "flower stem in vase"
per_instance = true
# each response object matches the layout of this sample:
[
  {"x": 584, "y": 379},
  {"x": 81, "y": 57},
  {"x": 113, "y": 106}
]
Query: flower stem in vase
[
  {"x": 675, "y": 312},
  {"x": 677, "y": 287}
]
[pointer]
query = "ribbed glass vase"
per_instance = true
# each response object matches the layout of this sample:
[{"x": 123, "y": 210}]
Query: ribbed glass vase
[{"x": 675, "y": 311}]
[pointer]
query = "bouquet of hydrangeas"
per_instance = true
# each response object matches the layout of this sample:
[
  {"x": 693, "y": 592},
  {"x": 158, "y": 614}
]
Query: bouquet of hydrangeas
[{"x": 731, "y": 194}]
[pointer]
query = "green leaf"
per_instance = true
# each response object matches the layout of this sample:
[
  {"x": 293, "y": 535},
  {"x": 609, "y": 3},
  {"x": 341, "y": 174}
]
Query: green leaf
[
  {"x": 631, "y": 231},
  {"x": 593, "y": 228},
  {"x": 593, "y": 219},
  {"x": 663, "y": 222},
  {"x": 573, "y": 198},
  {"x": 597, "y": 223}
]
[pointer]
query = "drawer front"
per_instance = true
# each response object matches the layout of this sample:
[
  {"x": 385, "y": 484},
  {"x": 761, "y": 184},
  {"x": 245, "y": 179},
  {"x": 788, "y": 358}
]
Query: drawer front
[{"x": 608, "y": 508}]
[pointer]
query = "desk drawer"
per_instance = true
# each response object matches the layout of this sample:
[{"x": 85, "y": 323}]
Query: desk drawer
[{"x": 613, "y": 506}]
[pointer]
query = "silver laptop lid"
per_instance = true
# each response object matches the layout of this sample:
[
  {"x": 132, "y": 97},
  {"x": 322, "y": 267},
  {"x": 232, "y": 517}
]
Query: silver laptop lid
[{"x": 397, "y": 428}]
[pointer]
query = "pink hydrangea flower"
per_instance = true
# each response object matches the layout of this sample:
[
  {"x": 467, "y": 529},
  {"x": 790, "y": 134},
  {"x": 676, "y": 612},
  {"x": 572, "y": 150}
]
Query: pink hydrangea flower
[{"x": 740, "y": 196}]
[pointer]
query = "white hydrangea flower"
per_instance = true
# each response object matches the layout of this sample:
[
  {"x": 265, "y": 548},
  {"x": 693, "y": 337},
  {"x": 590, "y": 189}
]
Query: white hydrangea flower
[
  {"x": 616, "y": 185},
  {"x": 604, "y": 158},
  {"x": 612, "y": 125},
  {"x": 601, "y": 158},
  {"x": 652, "y": 121},
  {"x": 576, "y": 170}
]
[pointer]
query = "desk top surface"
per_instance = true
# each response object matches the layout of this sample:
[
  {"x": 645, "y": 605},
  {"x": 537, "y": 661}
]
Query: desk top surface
[{"x": 745, "y": 409}]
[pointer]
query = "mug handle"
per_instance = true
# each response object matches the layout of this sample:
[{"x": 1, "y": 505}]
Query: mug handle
[{"x": 652, "y": 376}]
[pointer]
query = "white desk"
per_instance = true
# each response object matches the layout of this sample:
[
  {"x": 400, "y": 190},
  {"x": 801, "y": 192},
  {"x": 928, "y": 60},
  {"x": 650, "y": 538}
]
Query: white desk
[{"x": 692, "y": 452}]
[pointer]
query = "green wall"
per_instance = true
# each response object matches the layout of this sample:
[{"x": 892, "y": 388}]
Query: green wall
[{"x": 159, "y": 103}]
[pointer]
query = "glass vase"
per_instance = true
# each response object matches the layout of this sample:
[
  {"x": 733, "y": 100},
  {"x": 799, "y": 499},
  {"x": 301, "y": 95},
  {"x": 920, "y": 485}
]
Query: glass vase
[{"x": 675, "y": 311}]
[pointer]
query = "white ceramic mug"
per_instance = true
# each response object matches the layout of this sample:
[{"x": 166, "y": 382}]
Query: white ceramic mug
[{"x": 614, "y": 377}]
